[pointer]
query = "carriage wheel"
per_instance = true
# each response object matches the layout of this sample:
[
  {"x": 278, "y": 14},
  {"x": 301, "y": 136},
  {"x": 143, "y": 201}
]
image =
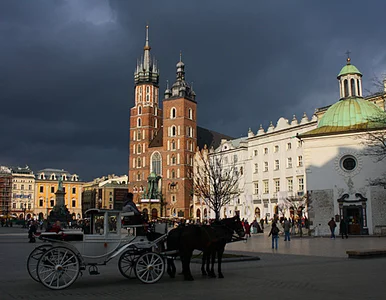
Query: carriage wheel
[
  {"x": 33, "y": 259},
  {"x": 126, "y": 263},
  {"x": 150, "y": 267},
  {"x": 58, "y": 268}
]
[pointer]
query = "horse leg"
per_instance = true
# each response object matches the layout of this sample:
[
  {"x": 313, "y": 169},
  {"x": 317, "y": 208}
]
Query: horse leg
[
  {"x": 211, "y": 273},
  {"x": 186, "y": 265},
  {"x": 203, "y": 262},
  {"x": 219, "y": 260},
  {"x": 171, "y": 268}
]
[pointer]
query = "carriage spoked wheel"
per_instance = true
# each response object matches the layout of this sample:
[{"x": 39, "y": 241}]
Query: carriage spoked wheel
[
  {"x": 150, "y": 267},
  {"x": 126, "y": 263},
  {"x": 33, "y": 259},
  {"x": 58, "y": 268}
]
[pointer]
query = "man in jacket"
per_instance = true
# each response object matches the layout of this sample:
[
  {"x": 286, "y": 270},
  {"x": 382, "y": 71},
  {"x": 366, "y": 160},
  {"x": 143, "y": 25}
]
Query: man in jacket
[
  {"x": 286, "y": 227},
  {"x": 332, "y": 226}
]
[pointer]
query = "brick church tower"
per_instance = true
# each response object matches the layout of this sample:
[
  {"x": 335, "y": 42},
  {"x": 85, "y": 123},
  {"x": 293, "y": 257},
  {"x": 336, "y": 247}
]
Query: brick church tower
[{"x": 162, "y": 142}]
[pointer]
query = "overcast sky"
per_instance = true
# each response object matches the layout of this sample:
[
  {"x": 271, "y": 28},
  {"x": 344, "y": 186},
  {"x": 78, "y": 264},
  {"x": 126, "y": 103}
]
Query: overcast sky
[{"x": 66, "y": 68}]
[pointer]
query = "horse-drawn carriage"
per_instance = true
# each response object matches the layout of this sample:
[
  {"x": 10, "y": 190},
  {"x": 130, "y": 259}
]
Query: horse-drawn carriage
[
  {"x": 58, "y": 262},
  {"x": 64, "y": 255}
]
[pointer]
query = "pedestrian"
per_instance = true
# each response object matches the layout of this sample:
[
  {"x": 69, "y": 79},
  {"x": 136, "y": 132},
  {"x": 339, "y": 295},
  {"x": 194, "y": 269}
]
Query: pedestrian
[
  {"x": 332, "y": 226},
  {"x": 266, "y": 219},
  {"x": 286, "y": 227},
  {"x": 275, "y": 235},
  {"x": 32, "y": 231},
  {"x": 262, "y": 223},
  {"x": 247, "y": 228},
  {"x": 343, "y": 228}
]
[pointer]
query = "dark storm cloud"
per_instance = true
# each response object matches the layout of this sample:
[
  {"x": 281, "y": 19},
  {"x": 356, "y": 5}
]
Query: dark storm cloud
[{"x": 66, "y": 68}]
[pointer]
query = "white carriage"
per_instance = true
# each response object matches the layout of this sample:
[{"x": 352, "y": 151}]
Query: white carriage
[{"x": 58, "y": 262}]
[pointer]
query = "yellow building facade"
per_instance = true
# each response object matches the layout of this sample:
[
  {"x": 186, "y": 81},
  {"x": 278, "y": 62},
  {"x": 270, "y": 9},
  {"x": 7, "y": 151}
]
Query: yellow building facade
[{"x": 46, "y": 184}]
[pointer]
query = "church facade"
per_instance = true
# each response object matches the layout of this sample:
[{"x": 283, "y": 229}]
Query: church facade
[
  {"x": 321, "y": 161},
  {"x": 162, "y": 140}
]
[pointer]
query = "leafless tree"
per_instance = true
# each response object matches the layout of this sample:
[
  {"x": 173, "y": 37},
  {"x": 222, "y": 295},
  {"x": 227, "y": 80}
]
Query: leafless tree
[{"x": 216, "y": 182}]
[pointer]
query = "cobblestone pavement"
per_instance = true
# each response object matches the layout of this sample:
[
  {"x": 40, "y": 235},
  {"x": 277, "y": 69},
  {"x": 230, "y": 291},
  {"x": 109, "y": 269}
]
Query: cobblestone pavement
[{"x": 308, "y": 268}]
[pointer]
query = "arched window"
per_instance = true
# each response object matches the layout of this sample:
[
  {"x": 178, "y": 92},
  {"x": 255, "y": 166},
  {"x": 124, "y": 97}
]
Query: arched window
[
  {"x": 173, "y": 131},
  {"x": 139, "y": 122},
  {"x": 190, "y": 114},
  {"x": 345, "y": 86},
  {"x": 173, "y": 159},
  {"x": 353, "y": 93},
  {"x": 139, "y": 135},
  {"x": 140, "y": 110},
  {"x": 138, "y": 176},
  {"x": 139, "y": 149},
  {"x": 155, "y": 123},
  {"x": 154, "y": 213},
  {"x": 173, "y": 145},
  {"x": 173, "y": 174},
  {"x": 156, "y": 163},
  {"x": 173, "y": 113},
  {"x": 139, "y": 162},
  {"x": 358, "y": 88}
]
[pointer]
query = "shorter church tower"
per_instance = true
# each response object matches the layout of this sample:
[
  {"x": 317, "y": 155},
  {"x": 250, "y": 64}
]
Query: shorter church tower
[
  {"x": 350, "y": 81},
  {"x": 179, "y": 144}
]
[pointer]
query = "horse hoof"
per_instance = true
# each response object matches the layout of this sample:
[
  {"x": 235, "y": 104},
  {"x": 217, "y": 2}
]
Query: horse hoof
[{"x": 220, "y": 275}]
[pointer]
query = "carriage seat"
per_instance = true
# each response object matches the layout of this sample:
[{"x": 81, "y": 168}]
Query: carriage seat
[
  {"x": 130, "y": 218},
  {"x": 67, "y": 236}
]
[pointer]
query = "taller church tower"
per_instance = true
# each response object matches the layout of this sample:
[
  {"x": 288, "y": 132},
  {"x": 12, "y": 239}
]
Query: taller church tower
[{"x": 145, "y": 118}]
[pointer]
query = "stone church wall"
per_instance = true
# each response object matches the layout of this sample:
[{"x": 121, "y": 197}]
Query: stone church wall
[
  {"x": 322, "y": 210},
  {"x": 378, "y": 208}
]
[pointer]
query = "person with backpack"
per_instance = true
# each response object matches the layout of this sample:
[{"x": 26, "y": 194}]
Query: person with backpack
[{"x": 275, "y": 235}]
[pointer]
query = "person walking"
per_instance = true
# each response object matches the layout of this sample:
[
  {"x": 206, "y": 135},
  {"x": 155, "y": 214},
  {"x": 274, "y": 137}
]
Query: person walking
[
  {"x": 275, "y": 235},
  {"x": 286, "y": 227},
  {"x": 31, "y": 232},
  {"x": 343, "y": 228},
  {"x": 332, "y": 226},
  {"x": 262, "y": 223},
  {"x": 247, "y": 228}
]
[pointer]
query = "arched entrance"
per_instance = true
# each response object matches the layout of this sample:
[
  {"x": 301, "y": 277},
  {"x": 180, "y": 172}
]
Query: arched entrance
[
  {"x": 145, "y": 212},
  {"x": 205, "y": 213},
  {"x": 41, "y": 216},
  {"x": 198, "y": 214},
  {"x": 154, "y": 213},
  {"x": 28, "y": 216},
  {"x": 257, "y": 213}
]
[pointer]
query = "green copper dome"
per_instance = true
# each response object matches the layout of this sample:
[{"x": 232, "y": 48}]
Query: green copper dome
[
  {"x": 351, "y": 113},
  {"x": 349, "y": 69}
]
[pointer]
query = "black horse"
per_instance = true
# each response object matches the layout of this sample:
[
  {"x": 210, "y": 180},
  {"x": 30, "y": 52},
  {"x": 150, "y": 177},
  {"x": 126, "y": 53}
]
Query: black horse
[{"x": 209, "y": 239}]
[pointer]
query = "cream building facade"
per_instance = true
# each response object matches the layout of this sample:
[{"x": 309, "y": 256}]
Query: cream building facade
[{"x": 23, "y": 192}]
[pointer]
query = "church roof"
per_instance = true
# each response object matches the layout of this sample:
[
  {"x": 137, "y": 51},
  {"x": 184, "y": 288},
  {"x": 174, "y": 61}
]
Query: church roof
[
  {"x": 349, "y": 69},
  {"x": 350, "y": 114}
]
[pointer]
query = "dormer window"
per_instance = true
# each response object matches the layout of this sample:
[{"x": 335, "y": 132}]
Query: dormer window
[
  {"x": 53, "y": 177},
  {"x": 64, "y": 177},
  {"x": 41, "y": 176}
]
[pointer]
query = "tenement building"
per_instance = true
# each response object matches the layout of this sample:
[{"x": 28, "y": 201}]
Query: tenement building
[
  {"x": 23, "y": 192},
  {"x": 329, "y": 162},
  {"x": 162, "y": 141}
]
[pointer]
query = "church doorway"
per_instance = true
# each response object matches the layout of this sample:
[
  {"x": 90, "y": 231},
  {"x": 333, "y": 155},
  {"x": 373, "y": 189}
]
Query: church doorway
[{"x": 353, "y": 217}]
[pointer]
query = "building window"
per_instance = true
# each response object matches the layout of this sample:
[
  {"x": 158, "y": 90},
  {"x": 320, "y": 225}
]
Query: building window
[
  {"x": 41, "y": 202},
  {"x": 139, "y": 135},
  {"x": 300, "y": 161},
  {"x": 300, "y": 183},
  {"x": 345, "y": 84},
  {"x": 52, "y": 203},
  {"x": 359, "y": 89},
  {"x": 266, "y": 187},
  {"x": 277, "y": 165},
  {"x": 190, "y": 114},
  {"x": 255, "y": 153},
  {"x": 173, "y": 159},
  {"x": 256, "y": 168},
  {"x": 41, "y": 189},
  {"x": 29, "y": 205},
  {"x": 140, "y": 110},
  {"x": 74, "y": 190},
  {"x": 138, "y": 176},
  {"x": 139, "y": 162},
  {"x": 30, "y": 187},
  {"x": 41, "y": 176},
  {"x": 265, "y": 150},
  {"x": 299, "y": 144},
  {"x": 265, "y": 166},
  {"x": 290, "y": 184},
  {"x": 22, "y": 187},
  {"x": 139, "y": 148},
  {"x": 173, "y": 131},
  {"x": 276, "y": 149},
  {"x": 256, "y": 190},
  {"x": 235, "y": 158},
  {"x": 173, "y": 174},
  {"x": 15, "y": 186},
  {"x": 52, "y": 189},
  {"x": 277, "y": 185},
  {"x": 289, "y": 146},
  {"x": 53, "y": 177},
  {"x": 14, "y": 205},
  {"x": 173, "y": 113},
  {"x": 73, "y": 203},
  {"x": 353, "y": 87},
  {"x": 139, "y": 122},
  {"x": 156, "y": 163},
  {"x": 289, "y": 162},
  {"x": 173, "y": 145}
]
